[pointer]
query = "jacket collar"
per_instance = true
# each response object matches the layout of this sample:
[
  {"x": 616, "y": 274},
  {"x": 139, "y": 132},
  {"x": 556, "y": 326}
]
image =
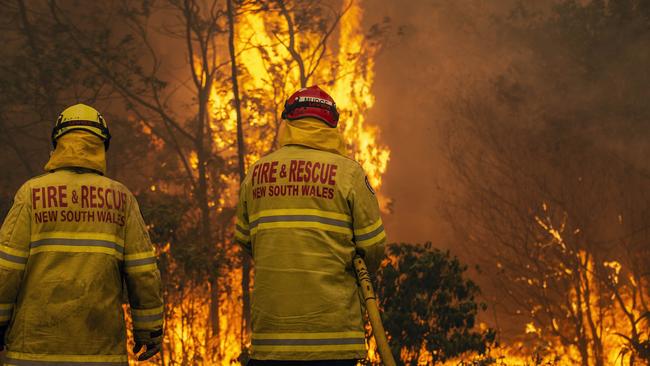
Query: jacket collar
[
  {"x": 78, "y": 149},
  {"x": 313, "y": 133}
]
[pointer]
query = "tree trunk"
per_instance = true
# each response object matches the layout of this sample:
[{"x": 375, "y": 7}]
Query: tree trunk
[
  {"x": 582, "y": 341},
  {"x": 292, "y": 44},
  {"x": 596, "y": 341},
  {"x": 241, "y": 152},
  {"x": 202, "y": 198},
  {"x": 214, "y": 309}
]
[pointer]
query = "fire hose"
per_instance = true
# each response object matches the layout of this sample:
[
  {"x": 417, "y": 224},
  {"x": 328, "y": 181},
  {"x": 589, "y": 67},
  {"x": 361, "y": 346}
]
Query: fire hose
[{"x": 373, "y": 311}]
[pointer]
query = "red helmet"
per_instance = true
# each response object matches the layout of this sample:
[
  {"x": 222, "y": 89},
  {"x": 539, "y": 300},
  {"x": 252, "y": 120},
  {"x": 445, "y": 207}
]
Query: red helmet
[{"x": 311, "y": 102}]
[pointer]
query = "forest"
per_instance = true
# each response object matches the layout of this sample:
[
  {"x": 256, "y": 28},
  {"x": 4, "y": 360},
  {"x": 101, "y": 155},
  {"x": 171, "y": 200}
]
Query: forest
[{"x": 527, "y": 125}]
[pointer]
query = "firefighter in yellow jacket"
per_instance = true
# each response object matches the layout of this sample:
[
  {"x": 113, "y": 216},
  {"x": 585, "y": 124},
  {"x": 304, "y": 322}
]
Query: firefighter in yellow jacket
[
  {"x": 69, "y": 242},
  {"x": 304, "y": 211}
]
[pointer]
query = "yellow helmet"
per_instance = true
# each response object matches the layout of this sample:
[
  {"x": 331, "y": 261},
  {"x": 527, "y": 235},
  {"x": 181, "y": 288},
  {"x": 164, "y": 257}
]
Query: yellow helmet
[{"x": 81, "y": 117}]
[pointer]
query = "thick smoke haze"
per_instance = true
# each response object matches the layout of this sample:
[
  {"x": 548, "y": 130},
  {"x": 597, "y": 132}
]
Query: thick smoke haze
[
  {"x": 433, "y": 50},
  {"x": 549, "y": 102},
  {"x": 439, "y": 50}
]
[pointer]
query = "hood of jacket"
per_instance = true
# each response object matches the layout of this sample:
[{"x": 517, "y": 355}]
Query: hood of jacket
[
  {"x": 313, "y": 133},
  {"x": 78, "y": 149}
]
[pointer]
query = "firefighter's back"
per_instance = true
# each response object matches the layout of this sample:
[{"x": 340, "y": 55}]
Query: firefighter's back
[
  {"x": 305, "y": 300},
  {"x": 72, "y": 284},
  {"x": 304, "y": 212},
  {"x": 70, "y": 241}
]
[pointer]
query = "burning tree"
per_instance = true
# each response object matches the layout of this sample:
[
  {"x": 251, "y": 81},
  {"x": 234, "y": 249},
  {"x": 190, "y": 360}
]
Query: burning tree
[
  {"x": 210, "y": 111},
  {"x": 559, "y": 255},
  {"x": 560, "y": 217}
]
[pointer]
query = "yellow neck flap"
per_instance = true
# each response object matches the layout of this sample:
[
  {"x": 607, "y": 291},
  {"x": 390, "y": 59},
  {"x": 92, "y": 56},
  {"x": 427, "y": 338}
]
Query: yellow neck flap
[
  {"x": 78, "y": 149},
  {"x": 313, "y": 133}
]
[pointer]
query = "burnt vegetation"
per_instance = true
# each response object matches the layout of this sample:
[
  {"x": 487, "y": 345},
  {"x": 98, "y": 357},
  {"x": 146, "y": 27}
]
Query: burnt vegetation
[{"x": 554, "y": 180}]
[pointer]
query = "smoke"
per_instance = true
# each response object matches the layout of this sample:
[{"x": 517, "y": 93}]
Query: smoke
[
  {"x": 440, "y": 51},
  {"x": 569, "y": 78},
  {"x": 435, "y": 50}
]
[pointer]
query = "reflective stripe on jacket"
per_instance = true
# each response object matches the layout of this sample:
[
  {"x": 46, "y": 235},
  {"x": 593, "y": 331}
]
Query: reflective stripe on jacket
[
  {"x": 303, "y": 214},
  {"x": 70, "y": 241}
]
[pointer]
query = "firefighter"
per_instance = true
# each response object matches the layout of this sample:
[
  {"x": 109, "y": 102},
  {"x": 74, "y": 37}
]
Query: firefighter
[
  {"x": 67, "y": 245},
  {"x": 304, "y": 211}
]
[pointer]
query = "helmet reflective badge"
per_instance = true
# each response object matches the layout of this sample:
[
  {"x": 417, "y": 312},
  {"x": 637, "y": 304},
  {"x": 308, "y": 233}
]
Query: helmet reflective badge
[
  {"x": 81, "y": 117},
  {"x": 311, "y": 102}
]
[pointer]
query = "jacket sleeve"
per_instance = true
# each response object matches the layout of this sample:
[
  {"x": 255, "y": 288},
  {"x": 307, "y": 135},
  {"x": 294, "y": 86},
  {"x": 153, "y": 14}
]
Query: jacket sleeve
[
  {"x": 242, "y": 226},
  {"x": 369, "y": 234},
  {"x": 141, "y": 273},
  {"x": 14, "y": 251}
]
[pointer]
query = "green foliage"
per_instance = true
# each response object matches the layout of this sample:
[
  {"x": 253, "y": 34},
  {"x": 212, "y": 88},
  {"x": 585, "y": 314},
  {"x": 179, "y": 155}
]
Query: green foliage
[{"x": 426, "y": 300}]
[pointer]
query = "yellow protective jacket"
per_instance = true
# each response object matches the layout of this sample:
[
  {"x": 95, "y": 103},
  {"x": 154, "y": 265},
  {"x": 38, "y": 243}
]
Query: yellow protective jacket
[
  {"x": 303, "y": 213},
  {"x": 70, "y": 241}
]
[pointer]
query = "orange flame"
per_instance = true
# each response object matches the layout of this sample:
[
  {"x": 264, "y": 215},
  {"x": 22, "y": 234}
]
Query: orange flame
[{"x": 267, "y": 76}]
